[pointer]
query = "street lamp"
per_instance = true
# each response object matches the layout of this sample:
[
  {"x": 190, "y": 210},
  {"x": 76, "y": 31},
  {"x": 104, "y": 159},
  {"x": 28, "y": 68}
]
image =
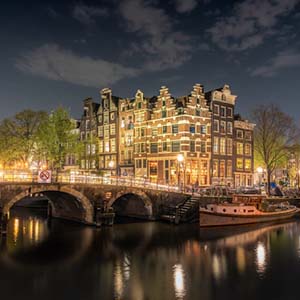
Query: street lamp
[{"x": 180, "y": 160}]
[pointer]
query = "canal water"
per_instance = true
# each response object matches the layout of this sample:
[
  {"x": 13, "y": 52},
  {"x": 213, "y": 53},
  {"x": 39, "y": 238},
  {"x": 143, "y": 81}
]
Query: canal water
[{"x": 42, "y": 259}]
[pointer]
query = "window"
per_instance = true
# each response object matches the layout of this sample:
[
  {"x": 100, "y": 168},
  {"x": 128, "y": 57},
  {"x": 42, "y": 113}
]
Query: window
[
  {"x": 216, "y": 145},
  {"x": 88, "y": 149},
  {"x": 106, "y": 131},
  {"x": 239, "y": 134},
  {"x": 215, "y": 168},
  {"x": 216, "y": 126},
  {"x": 222, "y": 146},
  {"x": 113, "y": 129},
  {"x": 229, "y": 146},
  {"x": 163, "y": 102},
  {"x": 248, "y": 149},
  {"x": 100, "y": 131},
  {"x": 123, "y": 123},
  {"x": 153, "y": 148},
  {"x": 106, "y": 146},
  {"x": 144, "y": 163},
  {"x": 165, "y": 146},
  {"x": 229, "y": 127},
  {"x": 192, "y": 128},
  {"x": 100, "y": 118},
  {"x": 112, "y": 116},
  {"x": 175, "y": 128},
  {"x": 113, "y": 145},
  {"x": 216, "y": 109},
  {"x": 229, "y": 168},
  {"x": 239, "y": 148},
  {"x": 203, "y": 129},
  {"x": 153, "y": 168},
  {"x": 166, "y": 164},
  {"x": 143, "y": 147},
  {"x": 93, "y": 149},
  {"x": 163, "y": 113},
  {"x": 165, "y": 129},
  {"x": 197, "y": 112},
  {"x": 154, "y": 131},
  {"x": 248, "y": 164},
  {"x": 248, "y": 135},
  {"x": 222, "y": 168},
  {"x": 202, "y": 146},
  {"x": 223, "y": 127},
  {"x": 139, "y": 105},
  {"x": 176, "y": 146},
  {"x": 239, "y": 163},
  {"x": 192, "y": 146},
  {"x": 100, "y": 146},
  {"x": 229, "y": 112},
  {"x": 106, "y": 118},
  {"x": 223, "y": 111},
  {"x": 143, "y": 131}
]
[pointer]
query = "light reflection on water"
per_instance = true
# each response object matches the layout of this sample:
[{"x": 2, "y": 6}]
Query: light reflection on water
[{"x": 144, "y": 261}]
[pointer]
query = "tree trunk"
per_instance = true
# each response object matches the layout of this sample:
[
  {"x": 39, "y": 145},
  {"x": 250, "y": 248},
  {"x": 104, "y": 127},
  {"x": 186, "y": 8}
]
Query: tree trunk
[{"x": 269, "y": 181}]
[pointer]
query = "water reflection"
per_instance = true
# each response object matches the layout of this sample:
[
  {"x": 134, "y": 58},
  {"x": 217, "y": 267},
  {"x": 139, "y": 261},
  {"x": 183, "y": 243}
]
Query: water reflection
[
  {"x": 261, "y": 258},
  {"x": 59, "y": 260},
  {"x": 179, "y": 285}
]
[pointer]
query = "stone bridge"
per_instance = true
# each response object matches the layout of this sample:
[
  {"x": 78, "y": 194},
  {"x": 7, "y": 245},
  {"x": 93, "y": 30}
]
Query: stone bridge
[{"x": 80, "y": 202}]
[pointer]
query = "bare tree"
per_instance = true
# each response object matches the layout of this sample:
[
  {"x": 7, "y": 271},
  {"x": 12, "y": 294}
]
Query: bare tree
[{"x": 274, "y": 133}]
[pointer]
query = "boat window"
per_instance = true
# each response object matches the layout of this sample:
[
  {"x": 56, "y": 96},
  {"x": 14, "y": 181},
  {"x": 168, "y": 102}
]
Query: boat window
[
  {"x": 251, "y": 210},
  {"x": 244, "y": 210},
  {"x": 212, "y": 209},
  {"x": 234, "y": 210},
  {"x": 224, "y": 209}
]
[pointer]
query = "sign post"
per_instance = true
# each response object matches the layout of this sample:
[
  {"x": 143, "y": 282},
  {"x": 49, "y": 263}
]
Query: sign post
[{"x": 44, "y": 176}]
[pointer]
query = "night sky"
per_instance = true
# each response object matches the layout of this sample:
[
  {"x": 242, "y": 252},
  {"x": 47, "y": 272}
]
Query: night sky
[{"x": 58, "y": 53}]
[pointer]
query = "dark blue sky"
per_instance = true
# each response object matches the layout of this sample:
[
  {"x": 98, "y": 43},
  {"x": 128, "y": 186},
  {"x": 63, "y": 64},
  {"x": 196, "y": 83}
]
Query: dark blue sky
[{"x": 60, "y": 53}]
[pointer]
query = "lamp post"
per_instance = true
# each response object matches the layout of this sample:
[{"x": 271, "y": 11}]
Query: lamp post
[
  {"x": 180, "y": 160},
  {"x": 259, "y": 171},
  {"x": 298, "y": 179}
]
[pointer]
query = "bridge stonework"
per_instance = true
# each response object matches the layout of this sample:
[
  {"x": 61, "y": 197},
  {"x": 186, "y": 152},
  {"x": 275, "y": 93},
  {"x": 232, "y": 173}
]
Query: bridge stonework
[{"x": 79, "y": 202}]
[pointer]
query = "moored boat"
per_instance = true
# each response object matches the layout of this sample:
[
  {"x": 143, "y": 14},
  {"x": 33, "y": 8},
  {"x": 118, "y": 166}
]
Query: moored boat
[{"x": 244, "y": 209}]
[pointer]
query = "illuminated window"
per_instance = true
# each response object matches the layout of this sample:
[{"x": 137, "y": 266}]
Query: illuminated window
[
  {"x": 100, "y": 131},
  {"x": 222, "y": 146},
  {"x": 222, "y": 168},
  {"x": 215, "y": 168},
  {"x": 113, "y": 145},
  {"x": 216, "y": 145},
  {"x": 100, "y": 118},
  {"x": 248, "y": 149},
  {"x": 100, "y": 146},
  {"x": 113, "y": 129},
  {"x": 122, "y": 123},
  {"x": 229, "y": 146},
  {"x": 106, "y": 146},
  {"x": 239, "y": 163},
  {"x": 240, "y": 148},
  {"x": 106, "y": 131},
  {"x": 154, "y": 131},
  {"x": 106, "y": 118},
  {"x": 112, "y": 116},
  {"x": 248, "y": 164},
  {"x": 93, "y": 149},
  {"x": 229, "y": 168}
]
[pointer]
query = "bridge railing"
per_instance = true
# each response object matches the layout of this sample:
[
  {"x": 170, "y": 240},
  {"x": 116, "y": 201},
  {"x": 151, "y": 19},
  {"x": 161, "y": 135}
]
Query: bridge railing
[{"x": 17, "y": 176}]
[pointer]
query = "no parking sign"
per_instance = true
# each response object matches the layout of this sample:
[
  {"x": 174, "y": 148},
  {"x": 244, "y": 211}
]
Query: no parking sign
[{"x": 44, "y": 176}]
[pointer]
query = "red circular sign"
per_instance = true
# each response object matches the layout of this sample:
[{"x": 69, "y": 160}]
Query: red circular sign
[{"x": 44, "y": 175}]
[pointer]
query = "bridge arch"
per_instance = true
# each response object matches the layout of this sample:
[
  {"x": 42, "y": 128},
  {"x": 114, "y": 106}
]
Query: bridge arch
[
  {"x": 80, "y": 201},
  {"x": 133, "y": 203}
]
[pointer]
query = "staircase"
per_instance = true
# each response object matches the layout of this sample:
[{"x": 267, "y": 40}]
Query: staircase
[{"x": 185, "y": 212}]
